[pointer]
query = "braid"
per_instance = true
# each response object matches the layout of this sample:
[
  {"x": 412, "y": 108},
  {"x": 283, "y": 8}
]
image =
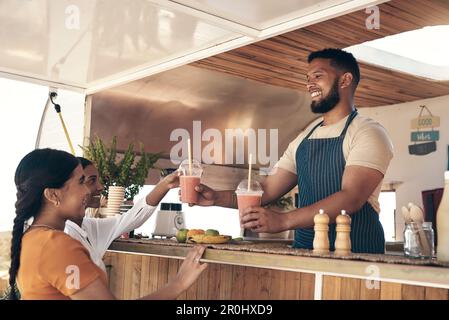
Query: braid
[
  {"x": 26, "y": 207},
  {"x": 16, "y": 243}
]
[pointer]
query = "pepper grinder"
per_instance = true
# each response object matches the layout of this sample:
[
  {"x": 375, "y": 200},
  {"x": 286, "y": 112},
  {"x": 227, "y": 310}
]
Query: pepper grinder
[
  {"x": 321, "y": 238},
  {"x": 343, "y": 239}
]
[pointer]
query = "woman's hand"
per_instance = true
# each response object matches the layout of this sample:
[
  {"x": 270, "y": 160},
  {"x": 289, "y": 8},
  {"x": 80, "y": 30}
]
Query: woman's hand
[
  {"x": 172, "y": 180},
  {"x": 158, "y": 193},
  {"x": 191, "y": 268}
]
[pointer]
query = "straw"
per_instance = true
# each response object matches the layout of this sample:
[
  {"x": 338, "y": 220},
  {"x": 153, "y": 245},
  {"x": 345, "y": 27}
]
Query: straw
[
  {"x": 249, "y": 171},
  {"x": 190, "y": 156}
]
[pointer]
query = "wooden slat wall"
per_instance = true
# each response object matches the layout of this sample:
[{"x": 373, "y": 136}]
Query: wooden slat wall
[
  {"x": 337, "y": 288},
  {"x": 282, "y": 60},
  {"x": 132, "y": 276}
]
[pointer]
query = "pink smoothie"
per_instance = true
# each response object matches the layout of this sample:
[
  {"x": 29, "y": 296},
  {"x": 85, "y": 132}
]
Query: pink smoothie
[
  {"x": 188, "y": 184},
  {"x": 245, "y": 201}
]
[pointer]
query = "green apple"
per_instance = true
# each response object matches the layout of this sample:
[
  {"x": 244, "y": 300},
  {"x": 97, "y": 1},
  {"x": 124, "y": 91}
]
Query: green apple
[{"x": 181, "y": 235}]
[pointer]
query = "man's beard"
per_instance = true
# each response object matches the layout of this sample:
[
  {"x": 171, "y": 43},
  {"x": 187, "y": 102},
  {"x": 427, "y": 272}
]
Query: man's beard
[{"x": 327, "y": 103}]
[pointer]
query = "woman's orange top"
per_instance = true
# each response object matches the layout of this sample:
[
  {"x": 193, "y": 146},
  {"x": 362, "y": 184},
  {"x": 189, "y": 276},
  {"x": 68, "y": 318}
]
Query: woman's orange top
[{"x": 54, "y": 266}]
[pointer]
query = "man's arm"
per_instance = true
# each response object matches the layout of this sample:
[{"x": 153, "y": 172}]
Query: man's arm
[
  {"x": 277, "y": 184},
  {"x": 357, "y": 185},
  {"x": 274, "y": 186}
]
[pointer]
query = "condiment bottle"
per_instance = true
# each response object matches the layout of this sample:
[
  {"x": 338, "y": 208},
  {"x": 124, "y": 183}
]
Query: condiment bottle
[
  {"x": 443, "y": 223},
  {"x": 343, "y": 238},
  {"x": 321, "y": 238}
]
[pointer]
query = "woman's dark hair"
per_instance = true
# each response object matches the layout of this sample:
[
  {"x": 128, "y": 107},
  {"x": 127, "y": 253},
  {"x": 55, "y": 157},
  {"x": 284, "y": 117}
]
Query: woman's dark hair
[
  {"x": 38, "y": 170},
  {"x": 84, "y": 162}
]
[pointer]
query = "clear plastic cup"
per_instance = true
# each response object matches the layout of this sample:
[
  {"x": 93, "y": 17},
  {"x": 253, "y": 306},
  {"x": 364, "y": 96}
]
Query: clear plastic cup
[
  {"x": 189, "y": 179},
  {"x": 251, "y": 197}
]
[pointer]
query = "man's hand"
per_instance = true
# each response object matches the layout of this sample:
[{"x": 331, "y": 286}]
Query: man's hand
[
  {"x": 207, "y": 196},
  {"x": 260, "y": 219}
]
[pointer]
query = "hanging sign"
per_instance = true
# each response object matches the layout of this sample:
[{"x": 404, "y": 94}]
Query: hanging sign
[
  {"x": 430, "y": 136},
  {"x": 421, "y": 149},
  {"x": 425, "y": 122},
  {"x": 425, "y": 136}
]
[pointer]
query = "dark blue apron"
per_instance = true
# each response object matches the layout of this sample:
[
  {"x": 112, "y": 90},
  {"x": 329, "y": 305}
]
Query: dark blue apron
[{"x": 320, "y": 165}]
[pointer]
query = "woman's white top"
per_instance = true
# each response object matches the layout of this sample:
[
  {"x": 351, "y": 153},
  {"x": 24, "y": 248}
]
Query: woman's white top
[{"x": 97, "y": 234}]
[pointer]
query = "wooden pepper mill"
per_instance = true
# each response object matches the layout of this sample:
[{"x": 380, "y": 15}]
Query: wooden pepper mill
[
  {"x": 321, "y": 238},
  {"x": 343, "y": 239}
]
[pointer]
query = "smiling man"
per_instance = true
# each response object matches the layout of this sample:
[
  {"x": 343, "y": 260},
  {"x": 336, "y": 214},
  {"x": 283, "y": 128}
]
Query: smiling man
[{"x": 338, "y": 162}]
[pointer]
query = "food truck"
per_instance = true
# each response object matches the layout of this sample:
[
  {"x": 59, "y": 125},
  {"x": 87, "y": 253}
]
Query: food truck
[{"x": 226, "y": 86}]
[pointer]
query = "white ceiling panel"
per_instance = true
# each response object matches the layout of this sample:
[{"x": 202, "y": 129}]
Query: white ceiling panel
[
  {"x": 91, "y": 41},
  {"x": 260, "y": 14},
  {"x": 91, "y": 45}
]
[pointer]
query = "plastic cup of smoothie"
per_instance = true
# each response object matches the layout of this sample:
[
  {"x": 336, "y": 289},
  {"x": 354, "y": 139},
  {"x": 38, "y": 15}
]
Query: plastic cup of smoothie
[
  {"x": 189, "y": 179},
  {"x": 251, "y": 197}
]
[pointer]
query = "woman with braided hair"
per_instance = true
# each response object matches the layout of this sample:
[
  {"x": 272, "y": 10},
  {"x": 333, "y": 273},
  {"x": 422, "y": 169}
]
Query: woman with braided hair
[{"x": 48, "y": 263}]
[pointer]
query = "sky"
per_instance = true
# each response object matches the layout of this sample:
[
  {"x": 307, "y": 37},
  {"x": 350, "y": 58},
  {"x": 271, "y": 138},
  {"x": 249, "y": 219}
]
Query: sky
[{"x": 21, "y": 105}]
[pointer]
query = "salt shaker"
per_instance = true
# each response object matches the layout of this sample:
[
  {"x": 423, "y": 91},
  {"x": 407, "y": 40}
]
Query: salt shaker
[{"x": 321, "y": 238}]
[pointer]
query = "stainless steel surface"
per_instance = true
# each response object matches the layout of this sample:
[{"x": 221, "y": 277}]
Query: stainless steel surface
[{"x": 148, "y": 110}]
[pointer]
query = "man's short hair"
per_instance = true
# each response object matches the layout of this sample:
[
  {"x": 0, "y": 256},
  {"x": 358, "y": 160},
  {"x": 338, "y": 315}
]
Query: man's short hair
[
  {"x": 84, "y": 162},
  {"x": 340, "y": 60}
]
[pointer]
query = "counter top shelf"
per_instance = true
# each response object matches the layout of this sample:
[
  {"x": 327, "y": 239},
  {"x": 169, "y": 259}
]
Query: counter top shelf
[{"x": 426, "y": 278}]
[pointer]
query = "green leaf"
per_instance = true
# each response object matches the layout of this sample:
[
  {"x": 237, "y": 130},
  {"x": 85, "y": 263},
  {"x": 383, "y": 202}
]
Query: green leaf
[{"x": 127, "y": 172}]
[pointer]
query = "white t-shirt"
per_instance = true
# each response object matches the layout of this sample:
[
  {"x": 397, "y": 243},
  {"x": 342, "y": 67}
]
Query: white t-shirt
[
  {"x": 97, "y": 234},
  {"x": 366, "y": 144}
]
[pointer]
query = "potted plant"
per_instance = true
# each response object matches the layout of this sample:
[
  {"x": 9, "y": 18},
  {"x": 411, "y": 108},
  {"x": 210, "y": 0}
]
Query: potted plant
[{"x": 122, "y": 174}]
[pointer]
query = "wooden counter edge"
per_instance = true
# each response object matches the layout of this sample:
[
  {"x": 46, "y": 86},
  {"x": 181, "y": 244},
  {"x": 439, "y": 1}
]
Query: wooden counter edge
[{"x": 430, "y": 276}]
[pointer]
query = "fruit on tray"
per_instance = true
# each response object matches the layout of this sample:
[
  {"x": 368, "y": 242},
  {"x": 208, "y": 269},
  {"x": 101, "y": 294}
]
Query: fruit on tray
[
  {"x": 181, "y": 235},
  {"x": 193, "y": 232},
  {"x": 212, "y": 232},
  {"x": 203, "y": 238}
]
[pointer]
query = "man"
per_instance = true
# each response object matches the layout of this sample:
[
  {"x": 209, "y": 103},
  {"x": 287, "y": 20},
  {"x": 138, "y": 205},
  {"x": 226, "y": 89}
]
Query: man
[{"x": 338, "y": 162}]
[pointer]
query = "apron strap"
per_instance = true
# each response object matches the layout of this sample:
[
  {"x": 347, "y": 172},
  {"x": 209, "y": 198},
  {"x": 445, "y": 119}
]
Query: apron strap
[
  {"x": 348, "y": 122},
  {"x": 311, "y": 131},
  {"x": 351, "y": 117}
]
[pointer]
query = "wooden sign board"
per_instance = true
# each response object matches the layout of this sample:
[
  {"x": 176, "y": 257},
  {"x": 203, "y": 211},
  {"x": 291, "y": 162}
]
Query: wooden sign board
[
  {"x": 421, "y": 149},
  {"x": 425, "y": 136},
  {"x": 425, "y": 122}
]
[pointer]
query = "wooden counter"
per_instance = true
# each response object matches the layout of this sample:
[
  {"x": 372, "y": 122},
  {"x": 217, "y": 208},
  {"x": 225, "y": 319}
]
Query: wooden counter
[{"x": 137, "y": 268}]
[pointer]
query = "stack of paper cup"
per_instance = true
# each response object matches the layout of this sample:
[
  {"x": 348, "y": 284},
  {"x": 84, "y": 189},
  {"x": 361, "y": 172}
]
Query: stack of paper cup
[{"x": 116, "y": 196}]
